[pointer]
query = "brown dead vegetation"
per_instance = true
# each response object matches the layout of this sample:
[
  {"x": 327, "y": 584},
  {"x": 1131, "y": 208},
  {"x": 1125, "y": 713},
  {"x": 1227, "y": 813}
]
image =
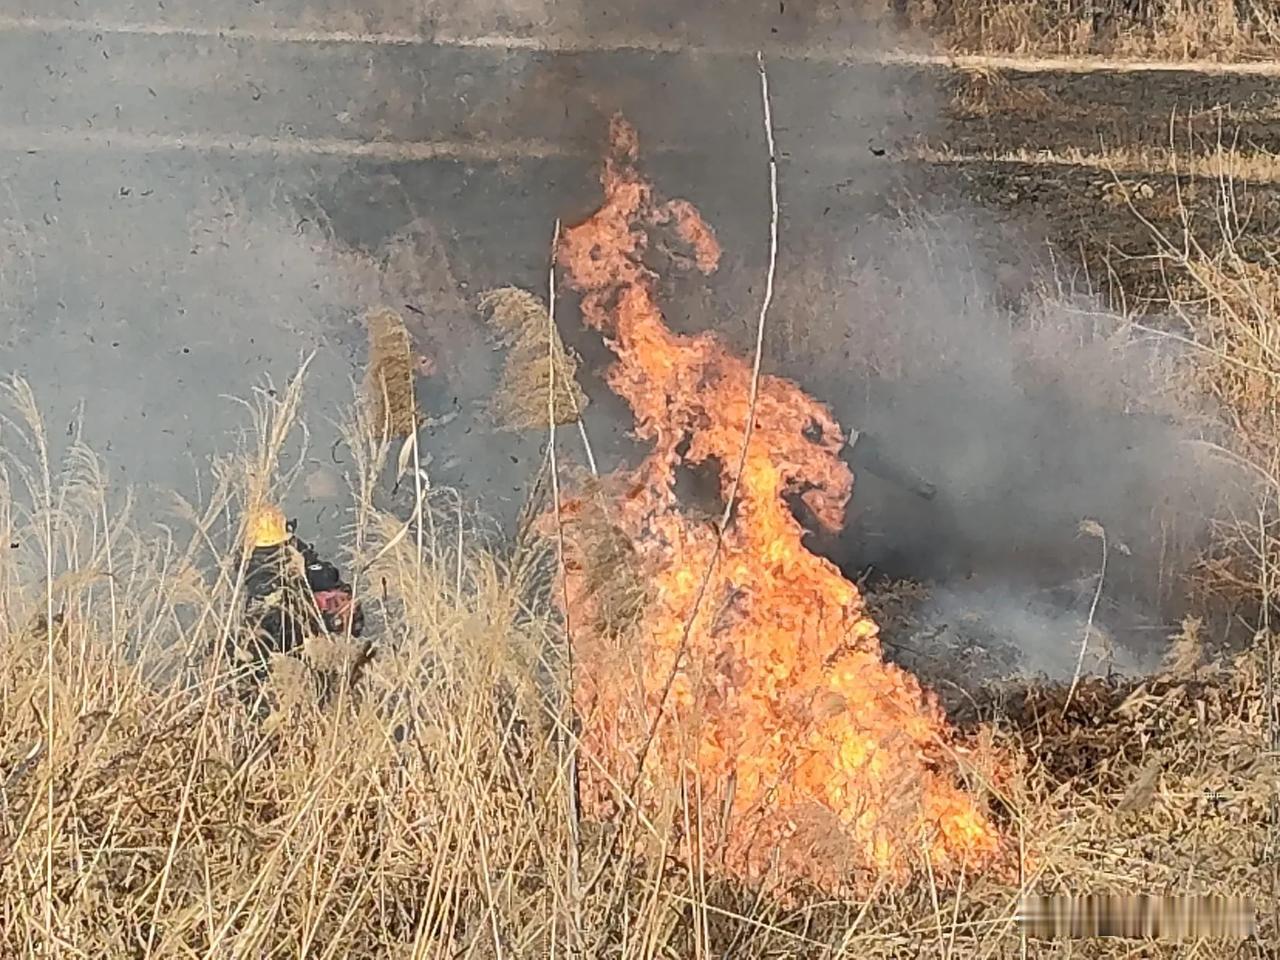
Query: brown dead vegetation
[
  {"x": 390, "y": 376},
  {"x": 424, "y": 811},
  {"x": 538, "y": 375},
  {"x": 1142, "y": 29}
]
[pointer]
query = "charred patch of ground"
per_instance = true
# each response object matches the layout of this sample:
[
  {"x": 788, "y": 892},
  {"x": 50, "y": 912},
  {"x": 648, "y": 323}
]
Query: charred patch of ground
[{"x": 1001, "y": 109}]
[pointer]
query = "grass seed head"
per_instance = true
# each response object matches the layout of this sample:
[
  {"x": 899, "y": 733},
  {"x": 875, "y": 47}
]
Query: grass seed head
[{"x": 520, "y": 323}]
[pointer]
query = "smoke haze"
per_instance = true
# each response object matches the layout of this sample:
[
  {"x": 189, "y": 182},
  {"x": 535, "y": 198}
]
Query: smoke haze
[{"x": 194, "y": 199}]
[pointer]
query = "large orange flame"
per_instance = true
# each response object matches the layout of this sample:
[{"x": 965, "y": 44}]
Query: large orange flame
[{"x": 804, "y": 756}]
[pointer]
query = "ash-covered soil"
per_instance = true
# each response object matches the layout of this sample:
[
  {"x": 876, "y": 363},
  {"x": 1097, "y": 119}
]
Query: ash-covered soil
[
  {"x": 1022, "y": 135},
  {"x": 1113, "y": 231},
  {"x": 1096, "y": 110}
]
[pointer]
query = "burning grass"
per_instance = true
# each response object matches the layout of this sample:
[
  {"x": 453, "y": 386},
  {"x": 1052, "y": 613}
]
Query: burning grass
[
  {"x": 758, "y": 685},
  {"x": 143, "y": 813}
]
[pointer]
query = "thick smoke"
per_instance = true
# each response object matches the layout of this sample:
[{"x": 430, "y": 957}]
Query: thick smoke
[
  {"x": 1028, "y": 416},
  {"x": 1049, "y": 430}
]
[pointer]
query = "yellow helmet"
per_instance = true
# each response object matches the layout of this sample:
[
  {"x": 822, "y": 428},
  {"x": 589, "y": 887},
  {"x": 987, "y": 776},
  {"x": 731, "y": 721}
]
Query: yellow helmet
[{"x": 268, "y": 528}]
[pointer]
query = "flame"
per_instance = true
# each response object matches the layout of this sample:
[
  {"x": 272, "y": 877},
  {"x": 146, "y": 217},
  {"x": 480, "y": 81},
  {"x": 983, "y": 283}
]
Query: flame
[{"x": 804, "y": 756}]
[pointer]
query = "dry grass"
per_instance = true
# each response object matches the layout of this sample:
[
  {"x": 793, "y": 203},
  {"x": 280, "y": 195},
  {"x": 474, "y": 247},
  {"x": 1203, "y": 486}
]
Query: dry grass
[
  {"x": 1171, "y": 29},
  {"x": 984, "y": 93},
  {"x": 1222, "y": 305},
  {"x": 389, "y": 375},
  {"x": 423, "y": 814},
  {"x": 520, "y": 400},
  {"x": 1216, "y": 163}
]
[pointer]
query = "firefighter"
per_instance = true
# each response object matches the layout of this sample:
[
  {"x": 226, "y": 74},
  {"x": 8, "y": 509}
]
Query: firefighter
[{"x": 290, "y": 594}]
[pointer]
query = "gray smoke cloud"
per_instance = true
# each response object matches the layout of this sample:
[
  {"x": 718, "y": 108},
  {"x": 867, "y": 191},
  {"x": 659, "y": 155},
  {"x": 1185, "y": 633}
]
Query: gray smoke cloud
[{"x": 1049, "y": 426}]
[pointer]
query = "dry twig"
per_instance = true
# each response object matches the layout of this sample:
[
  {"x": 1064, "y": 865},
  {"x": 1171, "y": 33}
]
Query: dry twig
[{"x": 1093, "y": 529}]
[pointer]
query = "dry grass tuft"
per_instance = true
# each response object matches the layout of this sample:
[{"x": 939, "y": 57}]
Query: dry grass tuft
[
  {"x": 519, "y": 321},
  {"x": 985, "y": 93},
  {"x": 1235, "y": 306},
  {"x": 1186, "y": 649},
  {"x": 389, "y": 377},
  {"x": 1172, "y": 29}
]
